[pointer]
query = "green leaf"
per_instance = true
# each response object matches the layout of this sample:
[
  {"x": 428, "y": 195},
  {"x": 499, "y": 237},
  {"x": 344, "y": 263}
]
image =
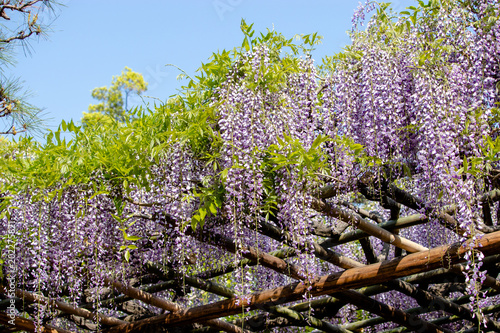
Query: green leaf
[
  {"x": 245, "y": 44},
  {"x": 440, "y": 195},
  {"x": 203, "y": 213},
  {"x": 49, "y": 138},
  {"x": 212, "y": 208},
  {"x": 319, "y": 140},
  {"x": 98, "y": 193},
  {"x": 223, "y": 174},
  {"x": 194, "y": 222},
  {"x": 58, "y": 137},
  {"x": 132, "y": 238},
  {"x": 117, "y": 218}
]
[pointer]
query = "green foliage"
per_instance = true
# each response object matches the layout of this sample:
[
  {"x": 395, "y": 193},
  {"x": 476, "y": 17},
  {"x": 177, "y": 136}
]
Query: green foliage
[
  {"x": 290, "y": 152},
  {"x": 115, "y": 152},
  {"x": 210, "y": 198},
  {"x": 97, "y": 119},
  {"x": 114, "y": 99},
  {"x": 482, "y": 165},
  {"x": 124, "y": 225},
  {"x": 124, "y": 151}
]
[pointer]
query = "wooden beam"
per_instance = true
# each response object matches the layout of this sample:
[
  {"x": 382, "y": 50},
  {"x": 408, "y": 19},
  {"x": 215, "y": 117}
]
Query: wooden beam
[
  {"x": 368, "y": 250},
  {"x": 124, "y": 298},
  {"x": 248, "y": 252},
  {"x": 252, "y": 253},
  {"x": 367, "y": 227},
  {"x": 446, "y": 320},
  {"x": 443, "y": 256},
  {"x": 28, "y": 325},
  {"x": 209, "y": 286},
  {"x": 403, "y": 222},
  {"x": 226, "y": 292},
  {"x": 273, "y": 232},
  {"x": 356, "y": 326},
  {"x": 65, "y": 307},
  {"x": 389, "y": 312},
  {"x": 328, "y": 255},
  {"x": 169, "y": 306},
  {"x": 439, "y": 303}
]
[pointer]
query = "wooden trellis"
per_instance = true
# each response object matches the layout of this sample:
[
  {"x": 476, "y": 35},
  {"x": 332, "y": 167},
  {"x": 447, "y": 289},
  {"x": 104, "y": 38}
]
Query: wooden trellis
[{"x": 421, "y": 273}]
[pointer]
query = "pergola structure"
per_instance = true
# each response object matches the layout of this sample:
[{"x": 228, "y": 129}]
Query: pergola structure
[{"x": 430, "y": 276}]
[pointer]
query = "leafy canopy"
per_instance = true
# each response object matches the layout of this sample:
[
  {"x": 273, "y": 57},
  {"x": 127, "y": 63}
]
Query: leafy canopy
[{"x": 114, "y": 99}]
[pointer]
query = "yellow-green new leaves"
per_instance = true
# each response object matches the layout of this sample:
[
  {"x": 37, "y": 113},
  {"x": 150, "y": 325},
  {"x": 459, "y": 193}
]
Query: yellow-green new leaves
[
  {"x": 96, "y": 119},
  {"x": 129, "y": 82},
  {"x": 289, "y": 151},
  {"x": 211, "y": 199},
  {"x": 114, "y": 100},
  {"x": 124, "y": 226}
]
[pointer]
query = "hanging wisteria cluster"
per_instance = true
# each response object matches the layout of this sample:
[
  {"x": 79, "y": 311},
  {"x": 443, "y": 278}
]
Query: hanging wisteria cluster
[{"x": 265, "y": 172}]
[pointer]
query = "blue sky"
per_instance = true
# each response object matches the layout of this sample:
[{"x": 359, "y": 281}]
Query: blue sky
[{"x": 92, "y": 40}]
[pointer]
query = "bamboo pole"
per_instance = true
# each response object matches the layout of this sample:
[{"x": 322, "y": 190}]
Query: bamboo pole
[
  {"x": 369, "y": 228},
  {"x": 402, "y": 222},
  {"x": 328, "y": 255}
]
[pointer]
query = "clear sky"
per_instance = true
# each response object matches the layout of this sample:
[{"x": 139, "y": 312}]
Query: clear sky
[{"x": 92, "y": 40}]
